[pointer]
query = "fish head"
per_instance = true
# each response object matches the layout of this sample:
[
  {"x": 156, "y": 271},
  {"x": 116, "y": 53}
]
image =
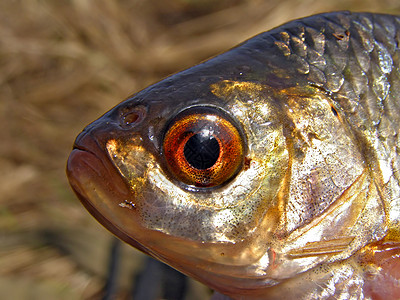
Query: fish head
[
  {"x": 133, "y": 169},
  {"x": 239, "y": 172},
  {"x": 216, "y": 211}
]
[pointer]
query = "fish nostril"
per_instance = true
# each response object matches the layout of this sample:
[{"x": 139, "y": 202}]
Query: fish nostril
[{"x": 130, "y": 117}]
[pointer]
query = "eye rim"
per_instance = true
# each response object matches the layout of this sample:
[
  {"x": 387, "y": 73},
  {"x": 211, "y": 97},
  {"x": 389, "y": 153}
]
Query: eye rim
[{"x": 222, "y": 115}]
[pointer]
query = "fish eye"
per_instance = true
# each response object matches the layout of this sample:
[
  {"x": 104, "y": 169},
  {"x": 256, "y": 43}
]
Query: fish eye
[{"x": 202, "y": 147}]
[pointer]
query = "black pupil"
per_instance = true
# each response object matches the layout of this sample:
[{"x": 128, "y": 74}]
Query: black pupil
[{"x": 201, "y": 151}]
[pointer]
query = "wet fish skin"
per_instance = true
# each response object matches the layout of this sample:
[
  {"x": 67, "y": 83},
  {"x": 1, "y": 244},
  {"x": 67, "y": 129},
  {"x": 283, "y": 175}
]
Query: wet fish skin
[{"x": 314, "y": 211}]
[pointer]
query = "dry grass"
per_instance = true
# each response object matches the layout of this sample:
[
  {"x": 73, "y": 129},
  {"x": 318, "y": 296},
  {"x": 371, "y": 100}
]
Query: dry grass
[{"x": 62, "y": 64}]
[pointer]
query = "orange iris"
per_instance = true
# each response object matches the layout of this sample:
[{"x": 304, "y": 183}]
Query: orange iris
[{"x": 202, "y": 148}]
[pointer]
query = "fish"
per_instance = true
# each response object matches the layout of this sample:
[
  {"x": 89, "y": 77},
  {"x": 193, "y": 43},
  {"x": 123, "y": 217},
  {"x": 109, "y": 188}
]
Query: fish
[{"x": 271, "y": 171}]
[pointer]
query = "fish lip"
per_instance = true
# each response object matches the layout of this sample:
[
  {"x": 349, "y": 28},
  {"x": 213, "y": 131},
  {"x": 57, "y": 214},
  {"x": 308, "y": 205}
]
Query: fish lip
[{"x": 88, "y": 159}]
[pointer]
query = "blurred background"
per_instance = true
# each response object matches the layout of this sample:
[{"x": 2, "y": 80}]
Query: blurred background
[{"x": 62, "y": 64}]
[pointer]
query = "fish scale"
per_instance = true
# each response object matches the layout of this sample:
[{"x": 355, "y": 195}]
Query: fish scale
[
  {"x": 306, "y": 124},
  {"x": 374, "y": 41}
]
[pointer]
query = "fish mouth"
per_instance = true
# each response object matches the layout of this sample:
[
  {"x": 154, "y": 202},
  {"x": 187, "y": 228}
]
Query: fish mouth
[{"x": 98, "y": 185}]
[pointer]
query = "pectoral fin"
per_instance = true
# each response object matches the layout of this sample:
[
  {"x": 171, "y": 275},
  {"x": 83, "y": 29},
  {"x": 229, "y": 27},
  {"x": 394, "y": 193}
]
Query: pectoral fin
[{"x": 383, "y": 276}]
